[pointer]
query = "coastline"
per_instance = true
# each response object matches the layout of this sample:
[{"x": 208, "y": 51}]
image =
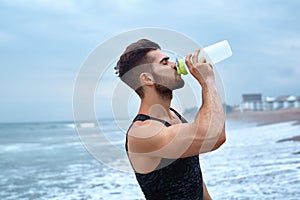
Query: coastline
[{"x": 268, "y": 117}]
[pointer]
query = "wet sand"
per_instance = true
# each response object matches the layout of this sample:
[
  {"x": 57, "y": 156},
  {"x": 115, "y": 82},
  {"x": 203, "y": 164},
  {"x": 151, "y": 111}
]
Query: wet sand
[{"x": 269, "y": 117}]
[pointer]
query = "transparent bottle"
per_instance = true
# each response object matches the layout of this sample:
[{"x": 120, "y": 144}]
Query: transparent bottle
[{"x": 213, "y": 54}]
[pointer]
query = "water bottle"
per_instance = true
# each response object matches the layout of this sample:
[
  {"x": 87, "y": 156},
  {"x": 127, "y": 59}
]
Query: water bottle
[{"x": 213, "y": 54}]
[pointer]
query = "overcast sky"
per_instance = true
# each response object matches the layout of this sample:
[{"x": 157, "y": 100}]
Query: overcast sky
[{"x": 43, "y": 44}]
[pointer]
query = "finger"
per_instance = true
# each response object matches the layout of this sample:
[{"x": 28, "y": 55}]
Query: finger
[
  {"x": 188, "y": 61},
  {"x": 195, "y": 56},
  {"x": 202, "y": 60}
]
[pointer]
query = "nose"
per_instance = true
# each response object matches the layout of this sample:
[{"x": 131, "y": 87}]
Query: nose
[{"x": 173, "y": 65}]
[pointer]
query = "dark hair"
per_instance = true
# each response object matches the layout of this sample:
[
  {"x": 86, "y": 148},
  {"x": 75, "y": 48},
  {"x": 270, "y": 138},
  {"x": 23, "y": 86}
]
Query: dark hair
[{"x": 135, "y": 55}]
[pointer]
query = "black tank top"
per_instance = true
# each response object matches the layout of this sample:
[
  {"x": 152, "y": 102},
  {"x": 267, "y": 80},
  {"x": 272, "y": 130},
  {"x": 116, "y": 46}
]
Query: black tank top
[{"x": 176, "y": 179}]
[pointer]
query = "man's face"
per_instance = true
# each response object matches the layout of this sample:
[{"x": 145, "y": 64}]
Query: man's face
[{"x": 165, "y": 73}]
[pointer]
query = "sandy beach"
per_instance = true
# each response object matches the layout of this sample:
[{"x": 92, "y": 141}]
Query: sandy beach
[{"x": 268, "y": 117}]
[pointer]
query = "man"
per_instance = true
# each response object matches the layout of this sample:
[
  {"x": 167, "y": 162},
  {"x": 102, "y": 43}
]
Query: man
[{"x": 162, "y": 146}]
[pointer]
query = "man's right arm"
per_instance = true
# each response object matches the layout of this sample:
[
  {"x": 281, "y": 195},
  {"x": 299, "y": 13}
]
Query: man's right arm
[{"x": 206, "y": 133}]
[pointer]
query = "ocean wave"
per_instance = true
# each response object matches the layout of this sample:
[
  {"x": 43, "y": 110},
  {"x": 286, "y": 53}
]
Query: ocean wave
[
  {"x": 48, "y": 164},
  {"x": 18, "y": 147}
]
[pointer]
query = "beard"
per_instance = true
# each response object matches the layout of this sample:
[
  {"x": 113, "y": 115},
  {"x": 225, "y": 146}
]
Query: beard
[
  {"x": 163, "y": 91},
  {"x": 165, "y": 87}
]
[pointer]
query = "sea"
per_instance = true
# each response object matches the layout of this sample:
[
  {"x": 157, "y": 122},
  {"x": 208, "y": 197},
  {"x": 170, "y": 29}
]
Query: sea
[{"x": 52, "y": 160}]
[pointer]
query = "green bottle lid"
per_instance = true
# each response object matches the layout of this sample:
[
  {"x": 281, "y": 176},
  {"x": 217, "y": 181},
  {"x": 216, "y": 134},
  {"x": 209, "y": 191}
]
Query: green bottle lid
[{"x": 181, "y": 68}]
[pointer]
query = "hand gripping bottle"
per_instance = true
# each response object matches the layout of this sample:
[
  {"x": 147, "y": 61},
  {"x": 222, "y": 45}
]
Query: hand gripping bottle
[{"x": 213, "y": 54}]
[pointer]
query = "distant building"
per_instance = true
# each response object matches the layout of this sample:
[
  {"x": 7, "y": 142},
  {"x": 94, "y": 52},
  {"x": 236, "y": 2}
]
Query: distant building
[
  {"x": 254, "y": 102},
  {"x": 280, "y": 102},
  {"x": 251, "y": 102},
  {"x": 284, "y": 102},
  {"x": 297, "y": 102},
  {"x": 269, "y": 103}
]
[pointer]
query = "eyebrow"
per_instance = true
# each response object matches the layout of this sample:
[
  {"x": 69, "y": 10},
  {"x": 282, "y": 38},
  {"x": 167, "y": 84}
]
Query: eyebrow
[{"x": 163, "y": 59}]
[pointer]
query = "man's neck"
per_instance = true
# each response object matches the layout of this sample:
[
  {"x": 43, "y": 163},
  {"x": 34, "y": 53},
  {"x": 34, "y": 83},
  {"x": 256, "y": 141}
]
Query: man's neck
[{"x": 155, "y": 105}]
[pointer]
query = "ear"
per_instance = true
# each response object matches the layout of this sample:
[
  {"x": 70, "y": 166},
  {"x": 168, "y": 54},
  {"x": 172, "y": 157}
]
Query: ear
[{"x": 146, "y": 79}]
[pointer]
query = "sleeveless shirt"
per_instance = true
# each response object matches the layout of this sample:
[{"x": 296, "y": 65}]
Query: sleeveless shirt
[{"x": 174, "y": 179}]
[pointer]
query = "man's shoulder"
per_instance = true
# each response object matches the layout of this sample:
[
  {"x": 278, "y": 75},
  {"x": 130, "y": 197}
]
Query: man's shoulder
[{"x": 145, "y": 129}]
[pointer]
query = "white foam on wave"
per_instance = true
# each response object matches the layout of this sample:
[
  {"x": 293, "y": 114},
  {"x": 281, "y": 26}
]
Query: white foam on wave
[
  {"x": 86, "y": 125},
  {"x": 87, "y": 182},
  {"x": 70, "y": 125},
  {"x": 251, "y": 164},
  {"x": 18, "y": 147}
]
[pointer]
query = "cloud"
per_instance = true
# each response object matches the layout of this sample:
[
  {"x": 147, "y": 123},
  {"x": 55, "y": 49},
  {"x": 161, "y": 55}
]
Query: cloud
[
  {"x": 8, "y": 38},
  {"x": 57, "y": 35},
  {"x": 286, "y": 44},
  {"x": 65, "y": 6}
]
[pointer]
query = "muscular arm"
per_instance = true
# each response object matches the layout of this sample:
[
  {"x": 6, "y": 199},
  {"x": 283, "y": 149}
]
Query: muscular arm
[
  {"x": 206, "y": 195},
  {"x": 210, "y": 119},
  {"x": 206, "y": 133},
  {"x": 211, "y": 114}
]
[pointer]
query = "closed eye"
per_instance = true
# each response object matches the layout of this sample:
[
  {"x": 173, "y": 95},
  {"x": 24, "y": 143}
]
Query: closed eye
[{"x": 164, "y": 61}]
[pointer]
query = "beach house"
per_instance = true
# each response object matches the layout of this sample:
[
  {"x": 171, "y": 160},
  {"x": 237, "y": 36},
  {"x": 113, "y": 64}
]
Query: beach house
[
  {"x": 297, "y": 102},
  {"x": 268, "y": 103},
  {"x": 255, "y": 102},
  {"x": 251, "y": 102}
]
